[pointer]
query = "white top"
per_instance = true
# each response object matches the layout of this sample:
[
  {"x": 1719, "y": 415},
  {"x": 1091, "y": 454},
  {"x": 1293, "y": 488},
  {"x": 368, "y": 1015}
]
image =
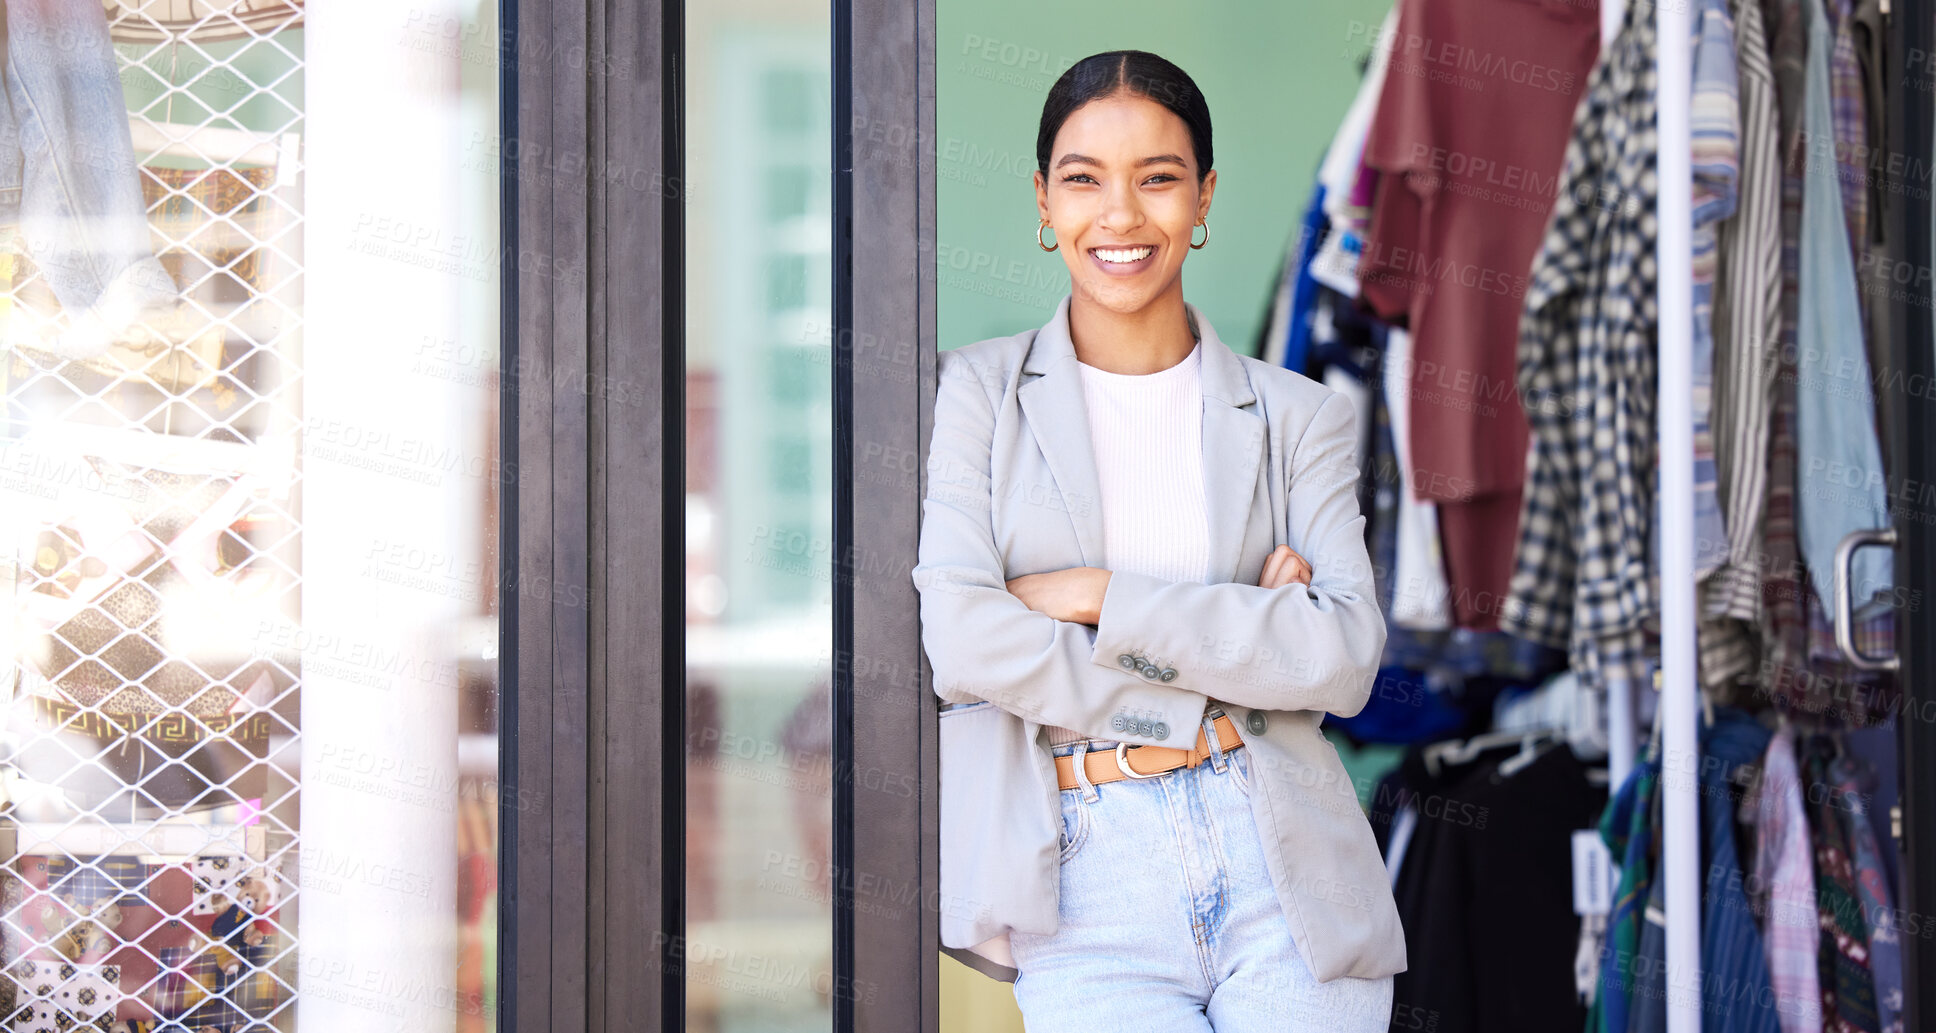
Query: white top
[{"x": 1146, "y": 431}]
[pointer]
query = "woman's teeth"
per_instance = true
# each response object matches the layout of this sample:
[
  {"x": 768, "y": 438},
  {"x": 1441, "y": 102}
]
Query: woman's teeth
[{"x": 1128, "y": 254}]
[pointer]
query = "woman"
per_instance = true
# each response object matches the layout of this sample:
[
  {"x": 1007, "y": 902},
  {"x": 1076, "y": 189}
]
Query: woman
[{"x": 1116, "y": 601}]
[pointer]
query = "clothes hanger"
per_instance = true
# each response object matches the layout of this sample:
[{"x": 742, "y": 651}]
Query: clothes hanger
[
  {"x": 1533, "y": 746},
  {"x": 1456, "y": 751}
]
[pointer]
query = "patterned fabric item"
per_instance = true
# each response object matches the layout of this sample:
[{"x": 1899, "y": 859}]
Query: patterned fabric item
[
  {"x": 1850, "y": 134},
  {"x": 1747, "y": 342},
  {"x": 1715, "y": 128},
  {"x": 1631, "y": 830},
  {"x": 165, "y": 953},
  {"x": 223, "y": 986},
  {"x": 1715, "y": 122},
  {"x": 56, "y": 996},
  {"x": 1732, "y": 953},
  {"x": 1848, "y": 988},
  {"x": 1875, "y": 634},
  {"x": 1784, "y": 620},
  {"x": 119, "y": 880},
  {"x": 1784, "y": 867},
  {"x": 1583, "y": 573},
  {"x": 224, "y": 882},
  {"x": 1854, "y": 783}
]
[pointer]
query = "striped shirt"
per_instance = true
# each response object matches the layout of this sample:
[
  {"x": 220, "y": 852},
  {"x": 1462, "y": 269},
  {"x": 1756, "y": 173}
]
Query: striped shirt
[{"x": 1747, "y": 343}]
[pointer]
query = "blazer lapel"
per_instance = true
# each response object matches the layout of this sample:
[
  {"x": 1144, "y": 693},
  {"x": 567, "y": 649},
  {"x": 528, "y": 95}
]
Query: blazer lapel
[
  {"x": 1233, "y": 440},
  {"x": 1233, "y": 450},
  {"x": 1051, "y": 397}
]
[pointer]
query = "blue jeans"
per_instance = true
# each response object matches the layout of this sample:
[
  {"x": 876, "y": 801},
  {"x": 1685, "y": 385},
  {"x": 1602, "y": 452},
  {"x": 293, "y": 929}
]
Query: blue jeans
[
  {"x": 68, "y": 179},
  {"x": 1169, "y": 921}
]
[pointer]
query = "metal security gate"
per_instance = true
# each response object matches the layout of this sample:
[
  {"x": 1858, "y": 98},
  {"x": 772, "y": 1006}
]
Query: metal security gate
[{"x": 196, "y": 717}]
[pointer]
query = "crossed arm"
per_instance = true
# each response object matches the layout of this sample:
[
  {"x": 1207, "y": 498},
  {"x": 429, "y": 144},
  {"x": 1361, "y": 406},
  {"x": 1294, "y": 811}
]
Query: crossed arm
[
  {"x": 1046, "y": 646},
  {"x": 1076, "y": 593}
]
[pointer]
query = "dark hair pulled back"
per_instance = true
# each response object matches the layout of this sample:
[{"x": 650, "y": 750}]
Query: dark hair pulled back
[{"x": 1099, "y": 76}]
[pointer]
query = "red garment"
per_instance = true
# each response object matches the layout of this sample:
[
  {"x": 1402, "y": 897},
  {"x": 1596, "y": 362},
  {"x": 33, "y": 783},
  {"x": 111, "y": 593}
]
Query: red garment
[{"x": 1469, "y": 135}]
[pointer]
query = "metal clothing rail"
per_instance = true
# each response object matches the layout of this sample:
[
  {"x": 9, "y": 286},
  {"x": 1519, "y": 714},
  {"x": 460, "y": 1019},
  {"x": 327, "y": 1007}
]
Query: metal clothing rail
[{"x": 1680, "y": 748}]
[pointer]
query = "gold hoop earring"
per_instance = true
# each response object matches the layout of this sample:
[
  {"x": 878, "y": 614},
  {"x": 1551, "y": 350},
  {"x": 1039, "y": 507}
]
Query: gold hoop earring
[
  {"x": 1038, "y": 237},
  {"x": 1194, "y": 246}
]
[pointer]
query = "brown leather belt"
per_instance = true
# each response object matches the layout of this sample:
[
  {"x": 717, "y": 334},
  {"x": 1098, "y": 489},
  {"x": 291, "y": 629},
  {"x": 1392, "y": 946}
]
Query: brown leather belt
[{"x": 1130, "y": 760}]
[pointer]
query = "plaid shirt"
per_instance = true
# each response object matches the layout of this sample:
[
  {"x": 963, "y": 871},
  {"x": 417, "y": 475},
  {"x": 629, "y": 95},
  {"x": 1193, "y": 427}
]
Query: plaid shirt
[
  {"x": 1582, "y": 575},
  {"x": 1783, "y": 870},
  {"x": 1851, "y": 126},
  {"x": 1784, "y": 620}
]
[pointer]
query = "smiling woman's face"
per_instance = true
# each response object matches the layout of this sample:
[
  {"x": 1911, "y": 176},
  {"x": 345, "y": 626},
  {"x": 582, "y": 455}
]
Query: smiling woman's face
[{"x": 1123, "y": 199}]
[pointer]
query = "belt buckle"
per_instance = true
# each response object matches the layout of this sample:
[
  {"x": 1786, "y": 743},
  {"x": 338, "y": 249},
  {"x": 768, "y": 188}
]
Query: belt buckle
[{"x": 1123, "y": 763}]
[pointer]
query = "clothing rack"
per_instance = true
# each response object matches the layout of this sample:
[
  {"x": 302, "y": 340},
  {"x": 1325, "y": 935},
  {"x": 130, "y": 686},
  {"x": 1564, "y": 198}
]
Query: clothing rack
[
  {"x": 1909, "y": 421},
  {"x": 1679, "y": 700}
]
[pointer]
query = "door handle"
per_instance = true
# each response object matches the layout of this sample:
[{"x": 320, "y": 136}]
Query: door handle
[{"x": 1844, "y": 599}]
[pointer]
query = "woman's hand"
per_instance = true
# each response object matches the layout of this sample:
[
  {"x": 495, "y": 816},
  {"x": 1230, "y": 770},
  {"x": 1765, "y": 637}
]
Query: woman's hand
[
  {"x": 1071, "y": 594},
  {"x": 1284, "y": 567}
]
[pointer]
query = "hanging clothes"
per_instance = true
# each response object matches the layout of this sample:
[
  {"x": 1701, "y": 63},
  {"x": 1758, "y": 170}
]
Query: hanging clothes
[
  {"x": 1630, "y": 827},
  {"x": 1784, "y": 618},
  {"x": 1840, "y": 462},
  {"x": 1848, "y": 138},
  {"x": 1854, "y": 782},
  {"x": 1784, "y": 870},
  {"x": 1848, "y": 988},
  {"x": 1420, "y": 596},
  {"x": 1714, "y": 125},
  {"x": 1468, "y": 155},
  {"x": 1302, "y": 296},
  {"x": 1584, "y": 571},
  {"x": 1493, "y": 948},
  {"x": 1734, "y": 960},
  {"x": 1747, "y": 344},
  {"x": 1346, "y": 198}
]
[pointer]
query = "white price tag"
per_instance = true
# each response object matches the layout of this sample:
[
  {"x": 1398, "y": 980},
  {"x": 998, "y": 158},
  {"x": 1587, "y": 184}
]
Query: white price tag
[{"x": 1592, "y": 874}]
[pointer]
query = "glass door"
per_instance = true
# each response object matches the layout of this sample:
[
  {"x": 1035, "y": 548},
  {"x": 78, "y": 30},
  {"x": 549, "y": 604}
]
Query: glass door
[
  {"x": 249, "y": 484},
  {"x": 759, "y": 510}
]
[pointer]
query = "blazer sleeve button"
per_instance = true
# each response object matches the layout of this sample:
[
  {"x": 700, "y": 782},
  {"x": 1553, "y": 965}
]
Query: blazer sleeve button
[
  {"x": 1169, "y": 674},
  {"x": 1128, "y": 661},
  {"x": 1162, "y": 730}
]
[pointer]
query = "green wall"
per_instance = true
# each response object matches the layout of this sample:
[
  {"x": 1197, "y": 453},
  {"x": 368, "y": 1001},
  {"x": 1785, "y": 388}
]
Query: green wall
[{"x": 1278, "y": 76}]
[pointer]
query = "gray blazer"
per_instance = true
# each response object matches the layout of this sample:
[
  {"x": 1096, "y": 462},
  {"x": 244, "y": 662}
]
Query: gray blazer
[{"x": 1012, "y": 490}]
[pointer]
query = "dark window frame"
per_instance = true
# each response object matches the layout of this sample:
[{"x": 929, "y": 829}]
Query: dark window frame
[
  {"x": 1910, "y": 423},
  {"x": 886, "y": 930},
  {"x": 592, "y": 861}
]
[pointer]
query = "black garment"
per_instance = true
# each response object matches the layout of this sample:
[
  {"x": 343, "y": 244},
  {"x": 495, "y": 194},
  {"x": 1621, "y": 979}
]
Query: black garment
[
  {"x": 1490, "y": 933},
  {"x": 1433, "y": 796}
]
